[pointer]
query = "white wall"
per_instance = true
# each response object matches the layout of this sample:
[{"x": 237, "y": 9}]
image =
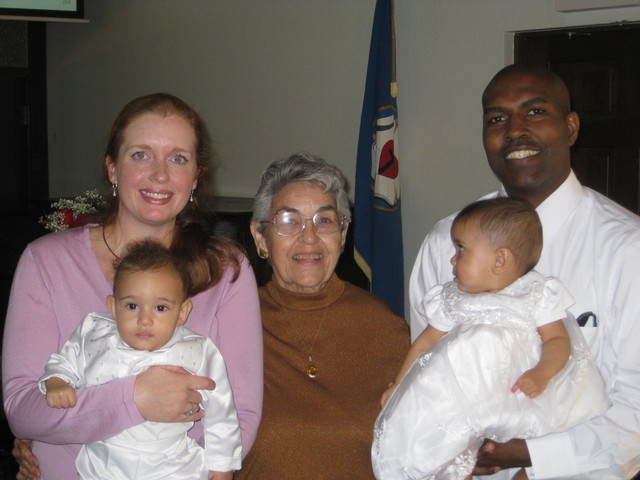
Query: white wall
[{"x": 272, "y": 77}]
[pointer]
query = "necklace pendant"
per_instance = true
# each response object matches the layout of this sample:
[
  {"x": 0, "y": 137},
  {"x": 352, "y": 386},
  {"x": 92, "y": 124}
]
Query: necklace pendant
[{"x": 312, "y": 370}]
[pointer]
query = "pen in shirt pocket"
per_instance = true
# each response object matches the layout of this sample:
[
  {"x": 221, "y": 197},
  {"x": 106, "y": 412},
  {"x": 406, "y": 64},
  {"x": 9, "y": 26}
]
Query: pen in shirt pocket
[{"x": 584, "y": 318}]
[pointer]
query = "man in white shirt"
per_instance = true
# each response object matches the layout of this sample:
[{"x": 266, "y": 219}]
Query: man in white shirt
[{"x": 590, "y": 243}]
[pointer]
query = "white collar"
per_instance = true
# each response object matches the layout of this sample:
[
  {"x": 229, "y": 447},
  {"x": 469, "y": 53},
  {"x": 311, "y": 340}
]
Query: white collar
[{"x": 557, "y": 207}]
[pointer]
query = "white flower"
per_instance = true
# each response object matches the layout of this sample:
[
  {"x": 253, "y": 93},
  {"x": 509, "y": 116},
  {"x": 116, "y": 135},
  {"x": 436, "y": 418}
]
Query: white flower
[{"x": 69, "y": 213}]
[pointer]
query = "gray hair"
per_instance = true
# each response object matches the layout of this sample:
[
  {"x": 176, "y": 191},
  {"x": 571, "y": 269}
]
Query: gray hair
[{"x": 303, "y": 168}]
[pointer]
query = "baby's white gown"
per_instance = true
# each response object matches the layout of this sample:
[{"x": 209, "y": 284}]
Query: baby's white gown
[{"x": 459, "y": 392}]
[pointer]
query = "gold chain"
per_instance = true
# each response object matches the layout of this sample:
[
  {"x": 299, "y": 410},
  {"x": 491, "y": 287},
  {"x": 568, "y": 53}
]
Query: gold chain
[{"x": 312, "y": 370}]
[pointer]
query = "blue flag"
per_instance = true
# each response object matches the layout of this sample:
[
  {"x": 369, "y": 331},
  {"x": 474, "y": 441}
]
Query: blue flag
[{"x": 377, "y": 220}]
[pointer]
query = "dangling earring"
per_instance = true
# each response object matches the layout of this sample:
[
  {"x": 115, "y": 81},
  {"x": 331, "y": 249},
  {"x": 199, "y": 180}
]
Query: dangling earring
[
  {"x": 191, "y": 196},
  {"x": 115, "y": 189}
]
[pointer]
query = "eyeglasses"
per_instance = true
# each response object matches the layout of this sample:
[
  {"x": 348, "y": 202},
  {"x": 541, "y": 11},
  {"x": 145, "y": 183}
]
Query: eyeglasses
[{"x": 289, "y": 224}]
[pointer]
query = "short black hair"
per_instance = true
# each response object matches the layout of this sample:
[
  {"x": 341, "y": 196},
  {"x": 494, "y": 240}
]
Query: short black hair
[{"x": 552, "y": 79}]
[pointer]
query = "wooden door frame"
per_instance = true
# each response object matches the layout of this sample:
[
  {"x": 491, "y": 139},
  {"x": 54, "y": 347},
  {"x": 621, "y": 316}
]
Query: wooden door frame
[{"x": 37, "y": 154}]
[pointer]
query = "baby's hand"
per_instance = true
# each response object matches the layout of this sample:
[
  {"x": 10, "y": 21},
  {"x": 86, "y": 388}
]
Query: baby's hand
[
  {"x": 532, "y": 383},
  {"x": 220, "y": 475},
  {"x": 60, "y": 394},
  {"x": 387, "y": 393}
]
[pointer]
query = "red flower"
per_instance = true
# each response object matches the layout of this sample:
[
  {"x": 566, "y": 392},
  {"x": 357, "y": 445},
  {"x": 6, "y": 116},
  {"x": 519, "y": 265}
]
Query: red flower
[{"x": 71, "y": 222}]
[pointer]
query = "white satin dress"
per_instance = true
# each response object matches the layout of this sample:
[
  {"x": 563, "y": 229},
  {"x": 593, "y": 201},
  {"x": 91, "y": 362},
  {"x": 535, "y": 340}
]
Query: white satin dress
[
  {"x": 95, "y": 354},
  {"x": 459, "y": 392}
]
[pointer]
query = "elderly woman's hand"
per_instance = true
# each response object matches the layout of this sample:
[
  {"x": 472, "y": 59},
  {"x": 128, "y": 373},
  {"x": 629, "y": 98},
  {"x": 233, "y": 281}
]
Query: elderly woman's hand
[
  {"x": 168, "y": 394},
  {"x": 27, "y": 461}
]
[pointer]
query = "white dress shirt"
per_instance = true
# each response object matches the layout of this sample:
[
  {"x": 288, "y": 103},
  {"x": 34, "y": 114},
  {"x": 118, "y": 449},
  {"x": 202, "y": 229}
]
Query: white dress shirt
[{"x": 593, "y": 246}]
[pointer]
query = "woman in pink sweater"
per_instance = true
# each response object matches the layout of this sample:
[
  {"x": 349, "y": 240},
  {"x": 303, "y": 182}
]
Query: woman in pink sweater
[{"x": 157, "y": 167}]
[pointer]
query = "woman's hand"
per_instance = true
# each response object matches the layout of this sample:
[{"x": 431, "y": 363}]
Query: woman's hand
[
  {"x": 29, "y": 466},
  {"x": 165, "y": 393},
  {"x": 493, "y": 456}
]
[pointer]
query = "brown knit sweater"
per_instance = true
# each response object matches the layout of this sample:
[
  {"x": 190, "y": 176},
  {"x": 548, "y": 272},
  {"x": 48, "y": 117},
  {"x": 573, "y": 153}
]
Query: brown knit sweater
[{"x": 322, "y": 427}]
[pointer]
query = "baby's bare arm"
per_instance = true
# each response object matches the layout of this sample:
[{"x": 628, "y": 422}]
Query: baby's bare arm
[
  {"x": 60, "y": 394},
  {"x": 556, "y": 348}
]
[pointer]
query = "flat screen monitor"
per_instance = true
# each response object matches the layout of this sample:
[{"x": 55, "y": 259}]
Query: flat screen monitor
[{"x": 42, "y": 9}]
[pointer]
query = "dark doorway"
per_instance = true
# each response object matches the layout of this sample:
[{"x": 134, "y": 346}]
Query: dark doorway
[
  {"x": 23, "y": 119},
  {"x": 24, "y": 184},
  {"x": 601, "y": 67}
]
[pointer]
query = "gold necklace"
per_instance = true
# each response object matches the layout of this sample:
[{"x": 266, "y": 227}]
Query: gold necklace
[{"x": 312, "y": 369}]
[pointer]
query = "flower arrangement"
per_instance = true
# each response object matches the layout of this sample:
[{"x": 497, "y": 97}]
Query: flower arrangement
[{"x": 70, "y": 213}]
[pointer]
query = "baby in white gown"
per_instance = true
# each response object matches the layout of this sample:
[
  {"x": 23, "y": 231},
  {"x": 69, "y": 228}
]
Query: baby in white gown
[
  {"x": 500, "y": 359},
  {"x": 149, "y": 305}
]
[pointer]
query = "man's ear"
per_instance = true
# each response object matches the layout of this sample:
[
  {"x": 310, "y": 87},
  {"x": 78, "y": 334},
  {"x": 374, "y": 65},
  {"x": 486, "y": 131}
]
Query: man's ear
[
  {"x": 503, "y": 260},
  {"x": 573, "y": 124}
]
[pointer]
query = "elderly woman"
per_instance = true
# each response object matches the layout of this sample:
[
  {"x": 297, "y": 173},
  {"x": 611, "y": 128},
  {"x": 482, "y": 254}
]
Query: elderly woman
[
  {"x": 331, "y": 348},
  {"x": 156, "y": 169}
]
